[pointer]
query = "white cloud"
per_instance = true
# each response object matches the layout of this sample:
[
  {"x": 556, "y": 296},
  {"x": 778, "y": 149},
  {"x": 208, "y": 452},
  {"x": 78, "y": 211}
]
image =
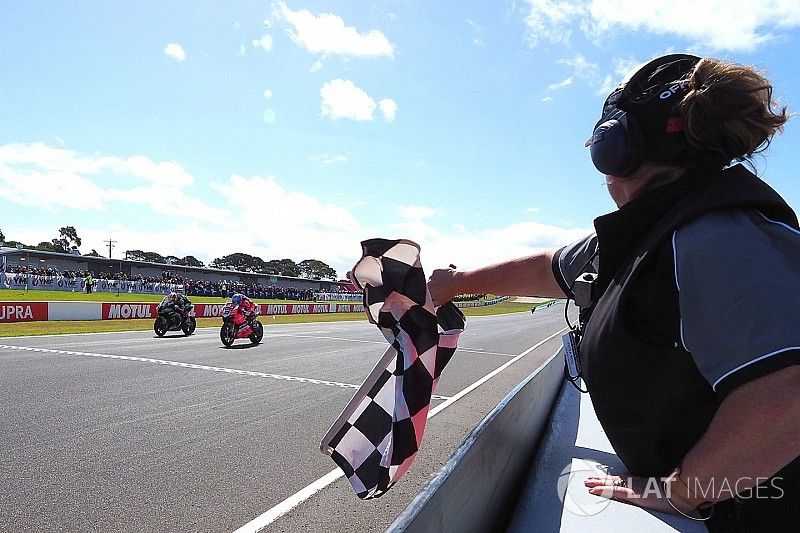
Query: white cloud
[
  {"x": 561, "y": 84},
  {"x": 551, "y": 19},
  {"x": 470, "y": 249},
  {"x": 175, "y": 51},
  {"x": 416, "y": 212},
  {"x": 388, "y": 108},
  {"x": 546, "y": 99},
  {"x": 61, "y": 178},
  {"x": 714, "y": 24},
  {"x": 295, "y": 225},
  {"x": 242, "y": 49},
  {"x": 327, "y": 34},
  {"x": 265, "y": 42},
  {"x": 581, "y": 67},
  {"x": 343, "y": 99},
  {"x": 588, "y": 72},
  {"x": 477, "y": 33},
  {"x": 267, "y": 93},
  {"x": 328, "y": 159},
  {"x": 315, "y": 67}
]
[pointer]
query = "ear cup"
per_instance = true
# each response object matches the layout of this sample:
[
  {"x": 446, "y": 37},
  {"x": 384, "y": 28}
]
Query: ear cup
[{"x": 617, "y": 145}]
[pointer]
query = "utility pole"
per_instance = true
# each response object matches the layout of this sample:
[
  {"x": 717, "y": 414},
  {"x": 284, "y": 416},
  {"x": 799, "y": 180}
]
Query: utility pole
[{"x": 110, "y": 246}]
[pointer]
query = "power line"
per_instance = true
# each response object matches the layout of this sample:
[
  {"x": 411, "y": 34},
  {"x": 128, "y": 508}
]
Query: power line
[{"x": 110, "y": 246}]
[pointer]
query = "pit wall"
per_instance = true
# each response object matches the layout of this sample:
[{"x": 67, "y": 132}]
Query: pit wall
[{"x": 477, "y": 488}]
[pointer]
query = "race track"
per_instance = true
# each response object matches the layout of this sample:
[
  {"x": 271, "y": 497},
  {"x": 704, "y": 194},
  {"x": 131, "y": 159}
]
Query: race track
[{"x": 129, "y": 432}]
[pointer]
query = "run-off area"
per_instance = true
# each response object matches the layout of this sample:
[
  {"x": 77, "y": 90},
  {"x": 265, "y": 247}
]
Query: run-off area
[{"x": 129, "y": 432}]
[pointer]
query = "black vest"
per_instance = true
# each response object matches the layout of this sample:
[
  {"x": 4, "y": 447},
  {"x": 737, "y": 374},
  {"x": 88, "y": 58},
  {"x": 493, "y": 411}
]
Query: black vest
[{"x": 649, "y": 395}]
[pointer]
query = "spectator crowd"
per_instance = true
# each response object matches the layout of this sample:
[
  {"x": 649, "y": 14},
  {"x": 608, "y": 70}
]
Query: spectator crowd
[{"x": 192, "y": 287}]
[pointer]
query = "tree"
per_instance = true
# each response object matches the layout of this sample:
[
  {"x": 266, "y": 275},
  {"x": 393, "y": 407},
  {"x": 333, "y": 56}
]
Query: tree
[
  {"x": 149, "y": 257},
  {"x": 134, "y": 255},
  {"x": 316, "y": 269},
  {"x": 67, "y": 237},
  {"x": 189, "y": 260},
  {"x": 45, "y": 246},
  {"x": 289, "y": 268},
  {"x": 240, "y": 261},
  {"x": 93, "y": 253},
  {"x": 2, "y": 237},
  {"x": 273, "y": 266},
  {"x": 282, "y": 267},
  {"x": 154, "y": 257}
]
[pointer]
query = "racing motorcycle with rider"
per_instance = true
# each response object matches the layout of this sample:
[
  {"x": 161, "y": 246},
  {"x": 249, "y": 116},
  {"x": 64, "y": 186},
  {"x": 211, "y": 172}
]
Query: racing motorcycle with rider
[
  {"x": 174, "y": 314},
  {"x": 239, "y": 321}
]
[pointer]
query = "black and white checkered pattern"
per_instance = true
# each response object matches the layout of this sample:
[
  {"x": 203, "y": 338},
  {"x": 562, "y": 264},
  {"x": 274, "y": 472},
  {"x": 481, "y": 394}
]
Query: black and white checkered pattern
[{"x": 378, "y": 434}]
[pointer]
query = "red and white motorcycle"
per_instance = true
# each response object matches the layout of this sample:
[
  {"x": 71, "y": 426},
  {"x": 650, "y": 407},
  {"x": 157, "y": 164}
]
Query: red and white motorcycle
[{"x": 253, "y": 329}]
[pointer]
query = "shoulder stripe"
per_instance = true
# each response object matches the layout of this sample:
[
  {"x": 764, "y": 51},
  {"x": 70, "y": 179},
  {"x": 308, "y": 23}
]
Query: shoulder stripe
[
  {"x": 787, "y": 226},
  {"x": 757, "y": 359},
  {"x": 677, "y": 285}
]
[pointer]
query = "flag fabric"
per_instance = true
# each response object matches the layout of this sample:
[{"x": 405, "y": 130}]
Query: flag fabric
[{"x": 377, "y": 436}]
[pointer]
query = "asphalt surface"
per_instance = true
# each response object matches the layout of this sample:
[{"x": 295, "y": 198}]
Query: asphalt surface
[{"x": 129, "y": 432}]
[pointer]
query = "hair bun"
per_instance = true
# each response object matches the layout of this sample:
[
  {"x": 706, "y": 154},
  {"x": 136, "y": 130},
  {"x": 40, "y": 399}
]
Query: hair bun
[{"x": 728, "y": 112}]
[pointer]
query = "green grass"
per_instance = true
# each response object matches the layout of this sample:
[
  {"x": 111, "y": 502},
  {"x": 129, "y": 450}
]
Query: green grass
[
  {"x": 19, "y": 329},
  {"x": 501, "y": 308}
]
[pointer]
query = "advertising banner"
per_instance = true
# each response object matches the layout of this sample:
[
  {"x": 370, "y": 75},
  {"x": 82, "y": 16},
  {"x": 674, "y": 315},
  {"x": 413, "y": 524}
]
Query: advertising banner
[
  {"x": 116, "y": 311},
  {"x": 22, "y": 311},
  {"x": 33, "y": 311}
]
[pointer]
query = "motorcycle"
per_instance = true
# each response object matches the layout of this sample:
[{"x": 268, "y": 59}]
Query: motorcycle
[
  {"x": 170, "y": 319},
  {"x": 229, "y": 332}
]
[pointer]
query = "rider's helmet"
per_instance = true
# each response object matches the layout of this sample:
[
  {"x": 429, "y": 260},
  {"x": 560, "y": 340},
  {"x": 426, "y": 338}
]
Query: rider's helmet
[
  {"x": 172, "y": 296},
  {"x": 236, "y": 299}
]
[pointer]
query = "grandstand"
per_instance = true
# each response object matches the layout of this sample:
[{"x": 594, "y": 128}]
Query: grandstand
[{"x": 195, "y": 280}]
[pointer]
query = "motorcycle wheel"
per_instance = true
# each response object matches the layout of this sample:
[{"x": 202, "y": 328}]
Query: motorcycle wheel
[
  {"x": 227, "y": 334},
  {"x": 190, "y": 325},
  {"x": 160, "y": 326},
  {"x": 258, "y": 332}
]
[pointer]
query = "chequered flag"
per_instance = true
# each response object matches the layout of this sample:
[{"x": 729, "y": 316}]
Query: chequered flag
[{"x": 377, "y": 436}]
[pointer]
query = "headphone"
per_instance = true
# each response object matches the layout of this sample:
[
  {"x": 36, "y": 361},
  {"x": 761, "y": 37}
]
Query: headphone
[{"x": 617, "y": 144}]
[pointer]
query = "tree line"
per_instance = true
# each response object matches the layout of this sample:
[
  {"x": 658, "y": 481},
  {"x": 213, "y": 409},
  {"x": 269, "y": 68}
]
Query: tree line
[{"x": 68, "y": 241}]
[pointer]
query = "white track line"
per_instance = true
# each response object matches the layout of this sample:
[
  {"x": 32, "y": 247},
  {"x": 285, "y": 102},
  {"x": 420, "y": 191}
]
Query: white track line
[
  {"x": 269, "y": 516},
  {"x": 194, "y": 366}
]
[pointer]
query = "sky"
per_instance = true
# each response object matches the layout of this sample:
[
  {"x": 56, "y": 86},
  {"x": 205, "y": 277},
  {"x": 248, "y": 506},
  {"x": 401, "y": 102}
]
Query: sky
[{"x": 296, "y": 129}]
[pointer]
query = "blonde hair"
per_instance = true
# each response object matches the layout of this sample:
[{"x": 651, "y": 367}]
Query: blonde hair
[{"x": 729, "y": 113}]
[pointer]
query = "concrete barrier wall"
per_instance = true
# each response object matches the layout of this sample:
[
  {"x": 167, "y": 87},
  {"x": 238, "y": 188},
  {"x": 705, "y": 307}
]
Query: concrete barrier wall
[
  {"x": 74, "y": 311},
  {"x": 477, "y": 488}
]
